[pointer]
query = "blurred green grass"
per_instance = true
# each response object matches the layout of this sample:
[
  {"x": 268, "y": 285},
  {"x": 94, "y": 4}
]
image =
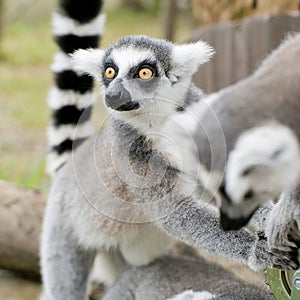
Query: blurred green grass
[{"x": 26, "y": 52}]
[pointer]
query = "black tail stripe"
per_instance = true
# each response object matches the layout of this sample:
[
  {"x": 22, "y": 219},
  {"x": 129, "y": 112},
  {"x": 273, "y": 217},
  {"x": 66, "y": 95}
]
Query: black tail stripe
[
  {"x": 82, "y": 11},
  {"x": 69, "y": 80},
  {"x": 70, "y": 114},
  {"x": 70, "y": 42},
  {"x": 67, "y": 145}
]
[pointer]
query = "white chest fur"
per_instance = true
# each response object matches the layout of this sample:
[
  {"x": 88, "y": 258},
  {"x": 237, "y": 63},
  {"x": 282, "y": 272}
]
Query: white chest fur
[{"x": 148, "y": 244}]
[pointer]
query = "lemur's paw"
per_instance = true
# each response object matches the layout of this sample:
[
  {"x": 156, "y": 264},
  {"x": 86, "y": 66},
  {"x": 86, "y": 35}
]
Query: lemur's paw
[
  {"x": 264, "y": 163},
  {"x": 285, "y": 260},
  {"x": 273, "y": 258},
  {"x": 283, "y": 227},
  {"x": 191, "y": 295}
]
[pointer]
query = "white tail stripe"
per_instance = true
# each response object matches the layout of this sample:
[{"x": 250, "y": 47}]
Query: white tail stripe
[
  {"x": 54, "y": 161},
  {"x": 57, "y": 135},
  {"x": 58, "y": 98},
  {"x": 63, "y": 25},
  {"x": 61, "y": 62}
]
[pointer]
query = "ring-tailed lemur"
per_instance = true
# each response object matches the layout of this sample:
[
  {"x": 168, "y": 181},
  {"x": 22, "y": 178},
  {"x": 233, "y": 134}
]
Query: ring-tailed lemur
[
  {"x": 255, "y": 121},
  {"x": 76, "y": 25},
  {"x": 120, "y": 190},
  {"x": 182, "y": 278}
]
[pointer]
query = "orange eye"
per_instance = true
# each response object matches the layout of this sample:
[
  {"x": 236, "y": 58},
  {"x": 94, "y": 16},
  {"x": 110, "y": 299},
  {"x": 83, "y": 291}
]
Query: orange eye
[
  {"x": 110, "y": 73},
  {"x": 145, "y": 73}
]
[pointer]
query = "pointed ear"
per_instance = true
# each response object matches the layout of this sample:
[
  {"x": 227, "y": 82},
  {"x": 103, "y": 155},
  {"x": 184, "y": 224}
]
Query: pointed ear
[
  {"x": 88, "y": 61},
  {"x": 187, "y": 58}
]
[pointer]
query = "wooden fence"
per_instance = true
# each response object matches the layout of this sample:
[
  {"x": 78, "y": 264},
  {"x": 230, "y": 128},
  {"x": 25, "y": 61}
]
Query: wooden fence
[{"x": 240, "y": 47}]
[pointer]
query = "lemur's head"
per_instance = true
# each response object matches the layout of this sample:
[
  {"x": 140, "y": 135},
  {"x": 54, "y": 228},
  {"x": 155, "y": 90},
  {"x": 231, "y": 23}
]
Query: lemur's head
[
  {"x": 142, "y": 75},
  {"x": 264, "y": 163}
]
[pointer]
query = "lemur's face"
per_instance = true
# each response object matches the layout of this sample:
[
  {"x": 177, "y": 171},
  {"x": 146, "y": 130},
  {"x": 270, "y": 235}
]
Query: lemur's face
[
  {"x": 133, "y": 79},
  {"x": 144, "y": 75}
]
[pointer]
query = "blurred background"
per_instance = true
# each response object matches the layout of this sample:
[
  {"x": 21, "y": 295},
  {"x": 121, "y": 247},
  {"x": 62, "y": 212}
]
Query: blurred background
[{"x": 26, "y": 50}]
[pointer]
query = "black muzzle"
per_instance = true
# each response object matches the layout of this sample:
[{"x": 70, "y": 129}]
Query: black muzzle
[{"x": 118, "y": 98}]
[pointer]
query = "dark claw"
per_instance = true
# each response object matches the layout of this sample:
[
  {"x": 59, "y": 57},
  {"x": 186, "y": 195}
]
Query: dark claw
[
  {"x": 261, "y": 236},
  {"x": 294, "y": 235}
]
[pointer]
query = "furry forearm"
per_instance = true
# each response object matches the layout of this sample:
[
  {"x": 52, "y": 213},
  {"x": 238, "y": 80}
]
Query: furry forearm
[
  {"x": 283, "y": 225},
  {"x": 198, "y": 225}
]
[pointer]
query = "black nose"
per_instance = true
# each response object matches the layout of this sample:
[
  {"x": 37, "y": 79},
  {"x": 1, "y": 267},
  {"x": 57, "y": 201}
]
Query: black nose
[
  {"x": 233, "y": 223},
  {"x": 118, "y": 98}
]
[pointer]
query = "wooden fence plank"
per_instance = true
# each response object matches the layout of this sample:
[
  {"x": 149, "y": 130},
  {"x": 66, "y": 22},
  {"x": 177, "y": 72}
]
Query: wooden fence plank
[{"x": 240, "y": 47}]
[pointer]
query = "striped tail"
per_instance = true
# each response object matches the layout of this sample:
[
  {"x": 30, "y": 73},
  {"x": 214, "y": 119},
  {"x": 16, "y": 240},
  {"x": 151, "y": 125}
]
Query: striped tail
[{"x": 78, "y": 24}]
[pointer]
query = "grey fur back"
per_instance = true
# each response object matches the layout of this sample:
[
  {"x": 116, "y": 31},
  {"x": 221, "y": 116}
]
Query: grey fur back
[
  {"x": 171, "y": 275},
  {"x": 272, "y": 92}
]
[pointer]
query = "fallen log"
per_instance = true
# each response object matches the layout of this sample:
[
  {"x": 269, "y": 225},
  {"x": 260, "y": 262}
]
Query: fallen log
[{"x": 21, "y": 214}]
